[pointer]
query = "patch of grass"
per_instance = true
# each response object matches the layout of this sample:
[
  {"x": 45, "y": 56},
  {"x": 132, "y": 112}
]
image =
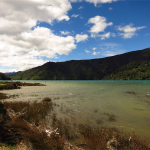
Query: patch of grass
[
  {"x": 47, "y": 99},
  {"x": 33, "y": 112},
  {"x": 99, "y": 121},
  {"x": 97, "y": 139},
  {"x": 95, "y": 110},
  {"x": 131, "y": 92},
  {"x": 5, "y": 146},
  {"x": 38, "y": 137},
  {"x": 86, "y": 136},
  {"x": 3, "y": 96},
  {"x": 111, "y": 117}
]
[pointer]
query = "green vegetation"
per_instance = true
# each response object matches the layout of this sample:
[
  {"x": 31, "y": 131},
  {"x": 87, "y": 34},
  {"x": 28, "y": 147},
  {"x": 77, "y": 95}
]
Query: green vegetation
[
  {"x": 131, "y": 71},
  {"x": 16, "y": 85},
  {"x": 129, "y": 66},
  {"x": 4, "y": 146},
  {"x": 4, "y": 77}
]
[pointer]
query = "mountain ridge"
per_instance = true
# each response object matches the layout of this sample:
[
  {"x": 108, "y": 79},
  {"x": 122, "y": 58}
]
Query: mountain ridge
[{"x": 92, "y": 69}]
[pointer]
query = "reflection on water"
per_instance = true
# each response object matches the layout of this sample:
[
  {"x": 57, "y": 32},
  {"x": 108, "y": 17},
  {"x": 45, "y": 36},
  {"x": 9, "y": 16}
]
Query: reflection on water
[{"x": 97, "y": 102}]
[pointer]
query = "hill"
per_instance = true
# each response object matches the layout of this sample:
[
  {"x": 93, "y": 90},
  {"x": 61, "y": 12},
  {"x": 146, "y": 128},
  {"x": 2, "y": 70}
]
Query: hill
[
  {"x": 4, "y": 77},
  {"x": 128, "y": 66},
  {"x": 12, "y": 73}
]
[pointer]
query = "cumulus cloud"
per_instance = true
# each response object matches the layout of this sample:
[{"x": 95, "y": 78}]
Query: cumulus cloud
[
  {"x": 74, "y": 15},
  {"x": 81, "y": 37},
  {"x": 110, "y": 8},
  {"x": 80, "y": 7},
  {"x": 100, "y": 1},
  {"x": 128, "y": 31},
  {"x": 24, "y": 48},
  {"x": 29, "y": 46},
  {"x": 95, "y": 53},
  {"x": 106, "y": 35},
  {"x": 94, "y": 48},
  {"x": 16, "y": 19},
  {"x": 87, "y": 51},
  {"x": 100, "y": 25},
  {"x": 75, "y": 1},
  {"x": 64, "y": 32}
]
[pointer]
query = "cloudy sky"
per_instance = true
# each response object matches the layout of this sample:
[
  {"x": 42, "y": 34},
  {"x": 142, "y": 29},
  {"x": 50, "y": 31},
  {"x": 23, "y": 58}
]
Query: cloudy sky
[{"x": 33, "y": 32}]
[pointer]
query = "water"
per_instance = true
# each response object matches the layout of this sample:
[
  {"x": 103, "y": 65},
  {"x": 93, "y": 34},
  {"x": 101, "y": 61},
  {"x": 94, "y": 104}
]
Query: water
[{"x": 92, "y": 101}]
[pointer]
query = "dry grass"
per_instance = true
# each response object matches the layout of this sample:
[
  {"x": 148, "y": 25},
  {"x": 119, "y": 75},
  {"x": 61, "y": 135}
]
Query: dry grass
[
  {"x": 35, "y": 112},
  {"x": 8, "y": 86},
  {"x": 47, "y": 99},
  {"x": 17, "y": 85},
  {"x": 37, "y": 137},
  {"x": 97, "y": 138},
  {"x": 3, "y": 96},
  {"x": 111, "y": 117},
  {"x": 87, "y": 137}
]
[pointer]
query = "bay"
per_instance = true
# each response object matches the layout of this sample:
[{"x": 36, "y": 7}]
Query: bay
[{"x": 93, "y": 102}]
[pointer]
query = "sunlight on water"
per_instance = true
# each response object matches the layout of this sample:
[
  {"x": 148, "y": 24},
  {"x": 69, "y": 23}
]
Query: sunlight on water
[{"x": 95, "y": 101}]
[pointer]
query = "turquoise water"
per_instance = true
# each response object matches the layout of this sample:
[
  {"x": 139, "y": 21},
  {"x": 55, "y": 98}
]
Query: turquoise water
[{"x": 91, "y": 102}]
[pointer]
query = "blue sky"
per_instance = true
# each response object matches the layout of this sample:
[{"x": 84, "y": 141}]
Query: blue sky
[{"x": 33, "y": 32}]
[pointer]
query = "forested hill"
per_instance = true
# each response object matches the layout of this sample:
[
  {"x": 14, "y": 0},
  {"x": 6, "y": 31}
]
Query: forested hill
[
  {"x": 4, "y": 77},
  {"x": 129, "y": 66}
]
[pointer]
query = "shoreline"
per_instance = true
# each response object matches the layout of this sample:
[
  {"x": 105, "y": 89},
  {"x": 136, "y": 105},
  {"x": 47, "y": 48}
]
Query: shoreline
[{"x": 56, "y": 105}]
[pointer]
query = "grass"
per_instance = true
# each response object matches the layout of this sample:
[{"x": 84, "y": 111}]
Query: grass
[
  {"x": 38, "y": 137},
  {"x": 34, "y": 113},
  {"x": 4, "y": 146},
  {"x": 85, "y": 136},
  {"x": 16, "y": 85},
  {"x": 97, "y": 138},
  {"x": 111, "y": 117},
  {"x": 47, "y": 99}
]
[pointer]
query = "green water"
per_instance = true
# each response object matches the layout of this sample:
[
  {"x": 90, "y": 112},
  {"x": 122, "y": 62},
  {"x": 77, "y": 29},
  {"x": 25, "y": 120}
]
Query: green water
[{"x": 91, "y": 101}]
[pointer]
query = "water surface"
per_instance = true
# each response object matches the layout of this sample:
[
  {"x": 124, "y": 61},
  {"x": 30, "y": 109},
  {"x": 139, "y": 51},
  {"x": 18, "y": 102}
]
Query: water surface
[{"x": 92, "y": 101}]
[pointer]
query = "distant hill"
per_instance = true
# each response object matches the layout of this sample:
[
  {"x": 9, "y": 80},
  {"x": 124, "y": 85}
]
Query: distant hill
[
  {"x": 128, "y": 66},
  {"x": 4, "y": 77},
  {"x": 12, "y": 73}
]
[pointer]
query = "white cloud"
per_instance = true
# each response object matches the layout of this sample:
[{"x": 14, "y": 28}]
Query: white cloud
[
  {"x": 87, "y": 51},
  {"x": 24, "y": 48},
  {"x": 80, "y": 7},
  {"x": 16, "y": 19},
  {"x": 81, "y": 37},
  {"x": 103, "y": 36},
  {"x": 74, "y": 15},
  {"x": 100, "y": 25},
  {"x": 74, "y": 1},
  {"x": 100, "y": 1},
  {"x": 106, "y": 35},
  {"x": 64, "y": 32},
  {"x": 94, "y": 48},
  {"x": 28, "y": 47},
  {"x": 110, "y": 8},
  {"x": 95, "y": 53},
  {"x": 128, "y": 31}
]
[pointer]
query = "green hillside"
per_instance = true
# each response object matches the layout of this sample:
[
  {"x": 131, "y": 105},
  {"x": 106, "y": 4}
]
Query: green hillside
[
  {"x": 129, "y": 66},
  {"x": 4, "y": 77}
]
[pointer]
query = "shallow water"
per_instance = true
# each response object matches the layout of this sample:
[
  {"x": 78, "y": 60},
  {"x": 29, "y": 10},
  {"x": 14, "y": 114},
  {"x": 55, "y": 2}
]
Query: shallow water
[{"x": 92, "y": 101}]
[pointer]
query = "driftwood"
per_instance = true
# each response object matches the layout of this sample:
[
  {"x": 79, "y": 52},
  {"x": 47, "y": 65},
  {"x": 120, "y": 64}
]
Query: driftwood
[
  {"x": 110, "y": 144},
  {"x": 13, "y": 115},
  {"x": 42, "y": 128}
]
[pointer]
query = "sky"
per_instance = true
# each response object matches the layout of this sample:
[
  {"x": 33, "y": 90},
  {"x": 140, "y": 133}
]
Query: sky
[{"x": 33, "y": 32}]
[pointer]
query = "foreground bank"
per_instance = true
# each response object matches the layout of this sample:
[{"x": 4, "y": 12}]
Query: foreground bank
[{"x": 33, "y": 125}]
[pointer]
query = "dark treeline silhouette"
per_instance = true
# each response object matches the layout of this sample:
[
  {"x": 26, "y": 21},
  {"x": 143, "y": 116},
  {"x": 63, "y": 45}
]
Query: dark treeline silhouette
[{"x": 133, "y": 65}]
